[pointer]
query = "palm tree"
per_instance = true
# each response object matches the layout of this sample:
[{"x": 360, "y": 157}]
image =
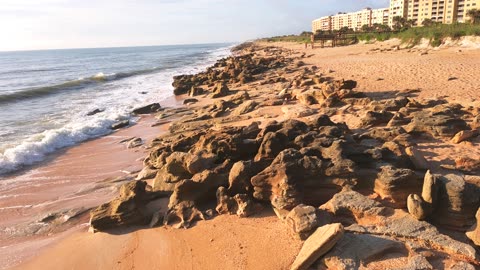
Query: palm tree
[
  {"x": 474, "y": 15},
  {"x": 428, "y": 22}
]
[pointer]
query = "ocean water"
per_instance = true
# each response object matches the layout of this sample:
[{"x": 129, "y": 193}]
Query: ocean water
[{"x": 45, "y": 95}]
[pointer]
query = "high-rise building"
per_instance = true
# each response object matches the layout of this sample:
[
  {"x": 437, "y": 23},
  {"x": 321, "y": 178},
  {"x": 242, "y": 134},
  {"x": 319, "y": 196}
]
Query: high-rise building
[
  {"x": 353, "y": 20},
  {"x": 442, "y": 11},
  {"x": 398, "y": 8}
]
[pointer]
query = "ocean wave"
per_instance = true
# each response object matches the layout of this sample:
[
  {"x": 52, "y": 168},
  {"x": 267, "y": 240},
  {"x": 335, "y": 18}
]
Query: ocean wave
[
  {"x": 80, "y": 127},
  {"x": 79, "y": 83},
  {"x": 37, "y": 147}
]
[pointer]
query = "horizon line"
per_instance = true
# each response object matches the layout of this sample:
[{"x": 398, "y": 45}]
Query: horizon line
[{"x": 116, "y": 47}]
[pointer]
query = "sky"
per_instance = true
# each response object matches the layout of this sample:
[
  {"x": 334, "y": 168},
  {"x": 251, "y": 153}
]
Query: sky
[{"x": 54, "y": 24}]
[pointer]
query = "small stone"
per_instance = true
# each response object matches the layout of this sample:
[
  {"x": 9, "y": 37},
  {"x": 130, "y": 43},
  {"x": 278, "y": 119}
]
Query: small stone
[{"x": 464, "y": 135}]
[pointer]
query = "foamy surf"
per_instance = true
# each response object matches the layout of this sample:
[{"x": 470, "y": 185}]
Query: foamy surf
[{"x": 118, "y": 94}]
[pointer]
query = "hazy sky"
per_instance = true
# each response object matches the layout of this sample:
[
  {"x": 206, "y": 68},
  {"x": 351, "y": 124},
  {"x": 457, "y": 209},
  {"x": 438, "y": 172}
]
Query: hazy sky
[{"x": 42, "y": 24}]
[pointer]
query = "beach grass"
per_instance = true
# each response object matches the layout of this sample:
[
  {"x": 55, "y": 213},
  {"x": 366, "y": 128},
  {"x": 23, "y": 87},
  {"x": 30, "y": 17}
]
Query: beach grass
[
  {"x": 288, "y": 38},
  {"x": 434, "y": 33}
]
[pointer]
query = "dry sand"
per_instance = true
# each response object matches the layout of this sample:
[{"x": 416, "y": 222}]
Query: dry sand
[{"x": 261, "y": 242}]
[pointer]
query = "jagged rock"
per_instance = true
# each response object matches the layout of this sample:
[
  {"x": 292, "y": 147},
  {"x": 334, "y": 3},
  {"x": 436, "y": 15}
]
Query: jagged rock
[
  {"x": 146, "y": 173},
  {"x": 173, "y": 170},
  {"x": 417, "y": 158},
  {"x": 464, "y": 135},
  {"x": 416, "y": 207},
  {"x": 151, "y": 108},
  {"x": 196, "y": 91},
  {"x": 355, "y": 205},
  {"x": 474, "y": 232},
  {"x": 355, "y": 250},
  {"x": 398, "y": 119},
  {"x": 283, "y": 182},
  {"x": 240, "y": 175},
  {"x": 240, "y": 97},
  {"x": 376, "y": 118},
  {"x": 127, "y": 209},
  {"x": 246, "y": 107},
  {"x": 220, "y": 90},
  {"x": 457, "y": 204},
  {"x": 225, "y": 203},
  {"x": 245, "y": 206},
  {"x": 302, "y": 221},
  {"x": 319, "y": 243},
  {"x": 185, "y": 213},
  {"x": 240, "y": 204},
  {"x": 310, "y": 97},
  {"x": 396, "y": 184},
  {"x": 120, "y": 124},
  {"x": 272, "y": 144},
  {"x": 437, "y": 125}
]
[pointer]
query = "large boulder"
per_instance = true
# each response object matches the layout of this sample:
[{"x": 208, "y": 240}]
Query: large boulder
[
  {"x": 127, "y": 209},
  {"x": 283, "y": 182},
  {"x": 458, "y": 201}
]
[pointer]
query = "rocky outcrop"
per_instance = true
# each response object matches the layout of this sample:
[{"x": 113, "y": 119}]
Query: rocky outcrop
[
  {"x": 437, "y": 125},
  {"x": 127, "y": 209}
]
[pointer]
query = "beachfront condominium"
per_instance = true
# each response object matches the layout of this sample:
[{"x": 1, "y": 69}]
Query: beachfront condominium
[
  {"x": 352, "y": 20},
  {"x": 442, "y": 11}
]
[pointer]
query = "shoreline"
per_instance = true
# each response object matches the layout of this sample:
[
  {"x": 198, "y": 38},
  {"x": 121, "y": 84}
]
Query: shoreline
[
  {"x": 128, "y": 247},
  {"x": 67, "y": 185}
]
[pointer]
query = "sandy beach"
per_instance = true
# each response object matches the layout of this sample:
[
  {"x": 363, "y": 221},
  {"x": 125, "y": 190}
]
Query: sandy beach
[{"x": 34, "y": 204}]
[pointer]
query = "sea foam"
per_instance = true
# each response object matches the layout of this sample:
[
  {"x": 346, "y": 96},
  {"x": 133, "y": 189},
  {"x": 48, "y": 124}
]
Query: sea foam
[{"x": 122, "y": 95}]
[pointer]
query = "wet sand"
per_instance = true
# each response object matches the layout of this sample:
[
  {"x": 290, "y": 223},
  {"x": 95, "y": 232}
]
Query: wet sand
[{"x": 51, "y": 200}]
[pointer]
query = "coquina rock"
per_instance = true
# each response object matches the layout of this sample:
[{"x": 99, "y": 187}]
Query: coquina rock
[
  {"x": 396, "y": 184},
  {"x": 458, "y": 202},
  {"x": 127, "y": 209},
  {"x": 302, "y": 221},
  {"x": 437, "y": 125}
]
